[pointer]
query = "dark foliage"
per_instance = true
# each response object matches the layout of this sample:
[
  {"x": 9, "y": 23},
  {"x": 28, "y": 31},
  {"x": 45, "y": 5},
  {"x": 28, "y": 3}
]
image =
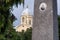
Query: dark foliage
[
  {"x": 7, "y": 18},
  {"x": 59, "y": 25}
]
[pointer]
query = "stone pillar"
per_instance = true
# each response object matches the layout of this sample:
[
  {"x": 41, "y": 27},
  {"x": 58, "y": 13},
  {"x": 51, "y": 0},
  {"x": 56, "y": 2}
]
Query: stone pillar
[{"x": 45, "y": 24}]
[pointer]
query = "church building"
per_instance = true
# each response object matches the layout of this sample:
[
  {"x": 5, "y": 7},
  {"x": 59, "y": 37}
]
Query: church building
[{"x": 26, "y": 21}]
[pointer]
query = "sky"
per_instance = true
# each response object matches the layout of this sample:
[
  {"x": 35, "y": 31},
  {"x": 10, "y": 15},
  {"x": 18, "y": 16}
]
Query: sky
[
  {"x": 30, "y": 3},
  {"x": 58, "y": 6}
]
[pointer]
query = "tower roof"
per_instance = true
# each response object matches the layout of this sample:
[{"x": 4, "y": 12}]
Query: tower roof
[{"x": 26, "y": 11}]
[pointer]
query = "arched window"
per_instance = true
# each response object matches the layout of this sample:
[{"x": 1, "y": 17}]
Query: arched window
[
  {"x": 23, "y": 19},
  {"x": 29, "y": 22}
]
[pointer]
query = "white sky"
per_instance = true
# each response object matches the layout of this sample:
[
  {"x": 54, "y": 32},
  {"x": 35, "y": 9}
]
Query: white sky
[
  {"x": 58, "y": 4},
  {"x": 30, "y": 3}
]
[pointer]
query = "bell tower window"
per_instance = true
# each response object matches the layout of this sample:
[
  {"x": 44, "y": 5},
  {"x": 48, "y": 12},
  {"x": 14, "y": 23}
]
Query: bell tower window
[
  {"x": 29, "y": 22},
  {"x": 23, "y": 19}
]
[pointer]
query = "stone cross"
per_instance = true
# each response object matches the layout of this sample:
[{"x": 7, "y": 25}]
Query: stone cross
[{"x": 45, "y": 24}]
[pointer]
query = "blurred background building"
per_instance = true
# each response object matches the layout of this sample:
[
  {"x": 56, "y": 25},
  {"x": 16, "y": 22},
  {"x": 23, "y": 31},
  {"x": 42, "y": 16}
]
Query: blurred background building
[{"x": 26, "y": 21}]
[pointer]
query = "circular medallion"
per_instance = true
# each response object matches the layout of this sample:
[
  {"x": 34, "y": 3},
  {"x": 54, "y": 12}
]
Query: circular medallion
[{"x": 42, "y": 6}]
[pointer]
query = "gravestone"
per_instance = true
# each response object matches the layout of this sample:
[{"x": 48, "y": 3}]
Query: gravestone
[{"x": 45, "y": 24}]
